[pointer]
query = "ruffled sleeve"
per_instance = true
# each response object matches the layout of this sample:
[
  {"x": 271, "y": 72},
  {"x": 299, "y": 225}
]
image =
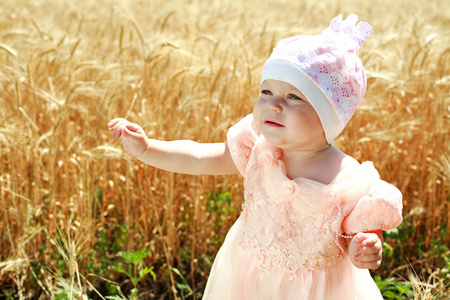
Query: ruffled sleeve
[
  {"x": 380, "y": 208},
  {"x": 240, "y": 139}
]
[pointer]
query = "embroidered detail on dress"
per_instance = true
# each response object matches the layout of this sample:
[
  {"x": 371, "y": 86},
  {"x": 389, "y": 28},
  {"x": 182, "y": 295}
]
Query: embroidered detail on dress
[{"x": 282, "y": 236}]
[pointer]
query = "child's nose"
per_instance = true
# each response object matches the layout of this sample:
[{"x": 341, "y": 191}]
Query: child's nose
[{"x": 274, "y": 105}]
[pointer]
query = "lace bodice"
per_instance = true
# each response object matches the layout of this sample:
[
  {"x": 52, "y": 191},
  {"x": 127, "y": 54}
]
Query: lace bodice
[{"x": 298, "y": 223}]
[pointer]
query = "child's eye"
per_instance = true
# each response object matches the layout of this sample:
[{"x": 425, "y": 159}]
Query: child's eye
[
  {"x": 266, "y": 92},
  {"x": 294, "y": 97}
]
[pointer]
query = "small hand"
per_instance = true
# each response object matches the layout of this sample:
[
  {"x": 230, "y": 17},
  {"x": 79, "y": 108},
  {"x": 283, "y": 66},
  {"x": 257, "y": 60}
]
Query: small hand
[
  {"x": 366, "y": 249},
  {"x": 133, "y": 137}
]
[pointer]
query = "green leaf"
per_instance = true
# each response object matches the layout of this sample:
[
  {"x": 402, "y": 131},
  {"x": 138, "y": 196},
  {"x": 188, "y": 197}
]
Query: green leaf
[
  {"x": 185, "y": 285},
  {"x": 126, "y": 256},
  {"x": 146, "y": 271},
  {"x": 9, "y": 294},
  {"x": 134, "y": 281},
  {"x": 121, "y": 269},
  {"x": 390, "y": 295},
  {"x": 140, "y": 255},
  {"x": 133, "y": 257}
]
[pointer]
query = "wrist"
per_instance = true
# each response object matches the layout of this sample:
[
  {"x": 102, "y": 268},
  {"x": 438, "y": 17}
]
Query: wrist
[
  {"x": 348, "y": 237},
  {"x": 141, "y": 156}
]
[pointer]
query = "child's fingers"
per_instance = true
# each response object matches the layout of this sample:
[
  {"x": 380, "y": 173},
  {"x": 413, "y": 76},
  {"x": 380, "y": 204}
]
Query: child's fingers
[
  {"x": 367, "y": 250},
  {"x": 115, "y": 126},
  {"x": 366, "y": 258},
  {"x": 371, "y": 240},
  {"x": 119, "y": 126},
  {"x": 369, "y": 265},
  {"x": 117, "y": 129},
  {"x": 371, "y": 261},
  {"x": 111, "y": 125},
  {"x": 113, "y": 122},
  {"x": 372, "y": 245},
  {"x": 371, "y": 250},
  {"x": 359, "y": 238},
  {"x": 132, "y": 127},
  {"x": 131, "y": 131}
]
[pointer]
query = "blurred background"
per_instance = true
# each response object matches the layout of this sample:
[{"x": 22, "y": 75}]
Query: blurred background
[{"x": 81, "y": 219}]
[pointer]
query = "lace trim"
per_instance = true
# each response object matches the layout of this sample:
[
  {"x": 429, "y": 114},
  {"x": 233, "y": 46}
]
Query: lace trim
[{"x": 281, "y": 237}]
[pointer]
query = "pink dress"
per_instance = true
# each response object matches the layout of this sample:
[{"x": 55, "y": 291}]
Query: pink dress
[{"x": 287, "y": 242}]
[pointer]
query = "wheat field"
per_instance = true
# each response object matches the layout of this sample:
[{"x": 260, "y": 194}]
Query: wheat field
[{"x": 71, "y": 199}]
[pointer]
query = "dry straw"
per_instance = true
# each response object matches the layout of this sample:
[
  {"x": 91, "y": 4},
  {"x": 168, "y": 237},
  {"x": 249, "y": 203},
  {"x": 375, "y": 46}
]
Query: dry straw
[{"x": 187, "y": 70}]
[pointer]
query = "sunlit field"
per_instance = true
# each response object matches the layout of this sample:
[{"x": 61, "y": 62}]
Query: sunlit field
[{"x": 75, "y": 210}]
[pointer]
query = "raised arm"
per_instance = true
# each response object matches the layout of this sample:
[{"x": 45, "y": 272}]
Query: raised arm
[{"x": 184, "y": 156}]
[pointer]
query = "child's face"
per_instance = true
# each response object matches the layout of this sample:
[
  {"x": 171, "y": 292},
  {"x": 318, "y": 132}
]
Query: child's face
[{"x": 286, "y": 119}]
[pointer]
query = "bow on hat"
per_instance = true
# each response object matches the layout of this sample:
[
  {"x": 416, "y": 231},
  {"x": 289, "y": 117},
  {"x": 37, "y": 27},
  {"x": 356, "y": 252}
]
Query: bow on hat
[{"x": 346, "y": 33}]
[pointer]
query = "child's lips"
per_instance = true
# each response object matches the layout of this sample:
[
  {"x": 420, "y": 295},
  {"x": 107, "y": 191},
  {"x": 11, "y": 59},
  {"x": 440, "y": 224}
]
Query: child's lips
[{"x": 272, "y": 123}]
